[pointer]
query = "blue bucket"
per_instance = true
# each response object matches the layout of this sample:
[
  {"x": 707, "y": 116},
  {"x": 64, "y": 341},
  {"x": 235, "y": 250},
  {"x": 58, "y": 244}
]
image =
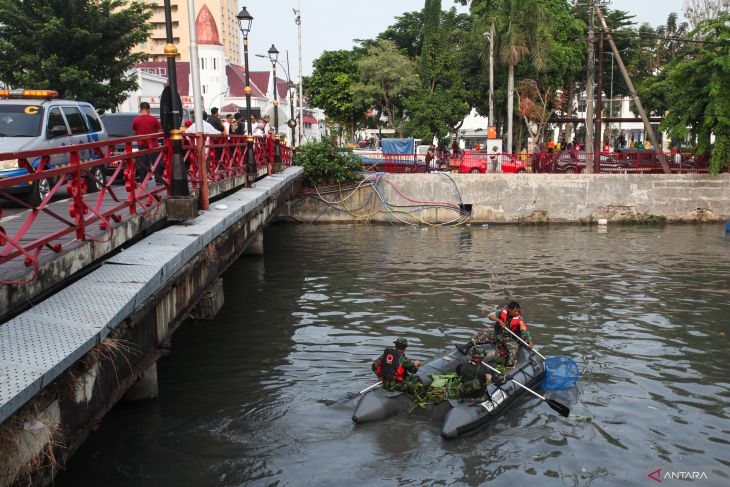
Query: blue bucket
[{"x": 727, "y": 226}]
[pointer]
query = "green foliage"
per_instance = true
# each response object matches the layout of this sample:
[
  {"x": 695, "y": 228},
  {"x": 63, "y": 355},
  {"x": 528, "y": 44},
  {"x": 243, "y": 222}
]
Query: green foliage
[
  {"x": 331, "y": 86},
  {"x": 386, "y": 78},
  {"x": 694, "y": 90},
  {"x": 82, "y": 48},
  {"x": 324, "y": 162}
]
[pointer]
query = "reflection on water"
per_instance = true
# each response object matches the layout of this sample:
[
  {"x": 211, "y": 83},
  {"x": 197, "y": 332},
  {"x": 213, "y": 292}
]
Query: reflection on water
[{"x": 642, "y": 310}]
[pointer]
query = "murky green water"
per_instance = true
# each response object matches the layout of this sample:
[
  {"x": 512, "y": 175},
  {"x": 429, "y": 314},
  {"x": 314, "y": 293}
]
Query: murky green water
[{"x": 644, "y": 312}]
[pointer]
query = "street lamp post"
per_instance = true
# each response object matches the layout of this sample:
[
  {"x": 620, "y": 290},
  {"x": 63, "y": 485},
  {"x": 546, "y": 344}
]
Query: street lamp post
[
  {"x": 274, "y": 56},
  {"x": 292, "y": 123},
  {"x": 244, "y": 23},
  {"x": 179, "y": 183},
  {"x": 291, "y": 86},
  {"x": 490, "y": 36}
]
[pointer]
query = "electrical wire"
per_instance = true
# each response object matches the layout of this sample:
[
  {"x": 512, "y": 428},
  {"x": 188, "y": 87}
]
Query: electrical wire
[{"x": 392, "y": 210}]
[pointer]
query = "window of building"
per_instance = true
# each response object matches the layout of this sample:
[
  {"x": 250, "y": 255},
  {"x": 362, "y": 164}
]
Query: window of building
[
  {"x": 202, "y": 63},
  {"x": 205, "y": 89},
  {"x": 214, "y": 64}
]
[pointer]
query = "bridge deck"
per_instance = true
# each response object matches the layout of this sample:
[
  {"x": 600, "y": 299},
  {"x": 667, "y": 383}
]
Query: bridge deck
[{"x": 40, "y": 344}]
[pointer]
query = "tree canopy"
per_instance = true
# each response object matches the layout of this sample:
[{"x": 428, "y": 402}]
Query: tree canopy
[
  {"x": 82, "y": 48},
  {"x": 428, "y": 69}
]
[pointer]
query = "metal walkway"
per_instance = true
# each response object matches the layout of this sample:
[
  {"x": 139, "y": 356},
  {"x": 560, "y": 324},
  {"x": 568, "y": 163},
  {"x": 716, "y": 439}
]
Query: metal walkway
[{"x": 40, "y": 344}]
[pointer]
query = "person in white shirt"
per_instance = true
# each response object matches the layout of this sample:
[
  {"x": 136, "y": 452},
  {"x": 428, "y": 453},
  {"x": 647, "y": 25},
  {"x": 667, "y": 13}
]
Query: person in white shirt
[{"x": 207, "y": 128}]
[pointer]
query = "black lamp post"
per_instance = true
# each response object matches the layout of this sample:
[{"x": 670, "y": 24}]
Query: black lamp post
[
  {"x": 292, "y": 123},
  {"x": 179, "y": 179},
  {"x": 244, "y": 23},
  {"x": 274, "y": 56}
]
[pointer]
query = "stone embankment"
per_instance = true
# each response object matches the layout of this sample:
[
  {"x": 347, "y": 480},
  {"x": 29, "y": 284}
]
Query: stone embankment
[{"x": 523, "y": 198}]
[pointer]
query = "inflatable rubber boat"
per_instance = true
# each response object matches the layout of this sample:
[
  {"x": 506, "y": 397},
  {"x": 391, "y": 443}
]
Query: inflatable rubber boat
[{"x": 459, "y": 417}]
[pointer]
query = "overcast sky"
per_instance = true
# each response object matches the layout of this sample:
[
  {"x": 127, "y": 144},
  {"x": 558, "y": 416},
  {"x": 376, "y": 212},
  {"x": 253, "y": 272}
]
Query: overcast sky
[{"x": 333, "y": 24}]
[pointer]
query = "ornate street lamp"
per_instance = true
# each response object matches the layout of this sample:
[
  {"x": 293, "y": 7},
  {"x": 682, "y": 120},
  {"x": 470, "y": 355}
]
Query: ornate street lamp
[
  {"x": 292, "y": 122},
  {"x": 274, "y": 57},
  {"x": 179, "y": 179},
  {"x": 244, "y": 23}
]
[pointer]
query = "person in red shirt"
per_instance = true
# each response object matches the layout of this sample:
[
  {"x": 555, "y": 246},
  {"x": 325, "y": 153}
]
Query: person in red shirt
[{"x": 145, "y": 124}]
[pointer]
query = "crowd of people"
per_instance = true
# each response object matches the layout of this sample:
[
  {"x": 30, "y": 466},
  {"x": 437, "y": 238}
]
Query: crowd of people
[{"x": 213, "y": 124}]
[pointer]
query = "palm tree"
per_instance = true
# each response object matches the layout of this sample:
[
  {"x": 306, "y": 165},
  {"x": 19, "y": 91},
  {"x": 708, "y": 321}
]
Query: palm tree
[{"x": 522, "y": 29}]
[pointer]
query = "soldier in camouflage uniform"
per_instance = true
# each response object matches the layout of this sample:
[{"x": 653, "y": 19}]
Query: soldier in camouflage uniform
[
  {"x": 474, "y": 377},
  {"x": 396, "y": 370},
  {"x": 508, "y": 316}
]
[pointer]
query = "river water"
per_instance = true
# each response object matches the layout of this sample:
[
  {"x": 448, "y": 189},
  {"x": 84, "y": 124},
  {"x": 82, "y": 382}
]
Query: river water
[{"x": 244, "y": 399}]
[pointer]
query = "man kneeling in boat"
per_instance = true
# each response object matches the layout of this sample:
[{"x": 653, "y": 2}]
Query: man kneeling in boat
[
  {"x": 506, "y": 317},
  {"x": 474, "y": 377},
  {"x": 396, "y": 370}
]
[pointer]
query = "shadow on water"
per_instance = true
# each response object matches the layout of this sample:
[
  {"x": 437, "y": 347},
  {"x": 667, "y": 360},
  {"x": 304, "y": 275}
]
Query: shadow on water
[{"x": 243, "y": 398}]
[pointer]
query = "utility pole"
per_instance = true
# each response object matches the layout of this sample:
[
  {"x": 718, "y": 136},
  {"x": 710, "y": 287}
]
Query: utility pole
[
  {"x": 298, "y": 21},
  {"x": 598, "y": 132},
  {"x": 491, "y": 76},
  {"x": 198, "y": 106},
  {"x": 634, "y": 95},
  {"x": 589, "y": 88}
]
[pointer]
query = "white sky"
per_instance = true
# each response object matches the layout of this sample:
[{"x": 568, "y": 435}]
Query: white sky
[{"x": 333, "y": 24}]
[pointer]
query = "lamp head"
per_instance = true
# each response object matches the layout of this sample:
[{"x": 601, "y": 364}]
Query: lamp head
[
  {"x": 273, "y": 54},
  {"x": 244, "y": 21}
]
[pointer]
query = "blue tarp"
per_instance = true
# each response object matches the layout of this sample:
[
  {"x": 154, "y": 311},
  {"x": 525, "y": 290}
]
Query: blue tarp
[{"x": 398, "y": 146}]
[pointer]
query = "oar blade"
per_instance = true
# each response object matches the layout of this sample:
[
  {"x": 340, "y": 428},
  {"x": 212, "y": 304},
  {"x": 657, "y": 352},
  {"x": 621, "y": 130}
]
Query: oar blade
[
  {"x": 560, "y": 408},
  {"x": 349, "y": 397}
]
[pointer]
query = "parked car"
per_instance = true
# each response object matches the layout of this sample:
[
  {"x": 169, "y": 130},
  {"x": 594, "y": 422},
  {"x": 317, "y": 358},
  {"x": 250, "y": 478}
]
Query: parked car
[
  {"x": 33, "y": 120},
  {"x": 481, "y": 161},
  {"x": 118, "y": 125}
]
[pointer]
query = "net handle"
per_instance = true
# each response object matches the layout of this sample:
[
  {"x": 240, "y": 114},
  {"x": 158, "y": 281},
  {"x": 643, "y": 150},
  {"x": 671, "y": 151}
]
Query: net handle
[{"x": 523, "y": 342}]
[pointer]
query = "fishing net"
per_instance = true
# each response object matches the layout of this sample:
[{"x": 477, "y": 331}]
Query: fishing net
[{"x": 560, "y": 373}]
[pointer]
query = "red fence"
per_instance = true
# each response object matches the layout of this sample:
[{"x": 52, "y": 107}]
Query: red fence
[
  {"x": 474, "y": 161},
  {"x": 117, "y": 171}
]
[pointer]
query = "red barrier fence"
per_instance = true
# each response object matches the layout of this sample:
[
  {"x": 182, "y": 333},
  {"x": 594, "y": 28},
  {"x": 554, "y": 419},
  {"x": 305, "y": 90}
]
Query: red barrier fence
[
  {"x": 475, "y": 161},
  {"x": 115, "y": 169}
]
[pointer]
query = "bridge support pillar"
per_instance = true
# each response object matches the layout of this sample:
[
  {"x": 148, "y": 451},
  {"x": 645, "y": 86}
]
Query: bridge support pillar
[
  {"x": 211, "y": 302},
  {"x": 145, "y": 388},
  {"x": 256, "y": 247}
]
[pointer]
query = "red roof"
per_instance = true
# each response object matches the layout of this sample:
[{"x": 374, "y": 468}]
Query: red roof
[
  {"x": 231, "y": 108},
  {"x": 260, "y": 79},
  {"x": 206, "y": 28},
  {"x": 310, "y": 119},
  {"x": 237, "y": 81}
]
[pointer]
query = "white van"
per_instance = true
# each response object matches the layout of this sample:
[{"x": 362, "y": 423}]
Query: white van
[{"x": 33, "y": 120}]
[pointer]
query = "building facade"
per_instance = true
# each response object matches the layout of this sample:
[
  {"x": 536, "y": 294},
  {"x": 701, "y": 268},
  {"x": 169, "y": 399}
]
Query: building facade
[
  {"x": 223, "y": 12},
  {"x": 223, "y": 83}
]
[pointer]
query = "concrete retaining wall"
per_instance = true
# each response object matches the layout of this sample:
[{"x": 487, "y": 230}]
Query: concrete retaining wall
[{"x": 516, "y": 198}]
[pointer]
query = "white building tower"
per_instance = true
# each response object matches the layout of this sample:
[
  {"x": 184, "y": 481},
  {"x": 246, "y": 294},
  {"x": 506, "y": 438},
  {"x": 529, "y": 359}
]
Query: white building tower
[{"x": 213, "y": 79}]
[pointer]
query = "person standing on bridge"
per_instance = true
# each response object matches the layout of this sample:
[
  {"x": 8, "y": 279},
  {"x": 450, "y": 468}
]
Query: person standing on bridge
[
  {"x": 396, "y": 370},
  {"x": 145, "y": 124}
]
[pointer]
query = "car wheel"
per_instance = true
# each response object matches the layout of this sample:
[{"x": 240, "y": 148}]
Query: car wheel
[
  {"x": 443, "y": 167},
  {"x": 520, "y": 171},
  {"x": 475, "y": 170},
  {"x": 97, "y": 179},
  {"x": 570, "y": 170},
  {"x": 421, "y": 169},
  {"x": 38, "y": 191}
]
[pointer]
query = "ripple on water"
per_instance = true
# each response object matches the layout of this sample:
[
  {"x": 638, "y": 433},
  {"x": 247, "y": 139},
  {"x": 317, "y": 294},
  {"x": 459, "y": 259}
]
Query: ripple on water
[{"x": 642, "y": 316}]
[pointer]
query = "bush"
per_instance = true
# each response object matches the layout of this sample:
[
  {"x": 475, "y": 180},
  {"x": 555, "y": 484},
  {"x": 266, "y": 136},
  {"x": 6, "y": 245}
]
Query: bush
[{"x": 325, "y": 163}]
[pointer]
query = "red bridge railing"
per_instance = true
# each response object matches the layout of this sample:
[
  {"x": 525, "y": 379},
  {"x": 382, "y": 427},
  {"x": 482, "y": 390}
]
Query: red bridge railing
[{"x": 103, "y": 185}]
